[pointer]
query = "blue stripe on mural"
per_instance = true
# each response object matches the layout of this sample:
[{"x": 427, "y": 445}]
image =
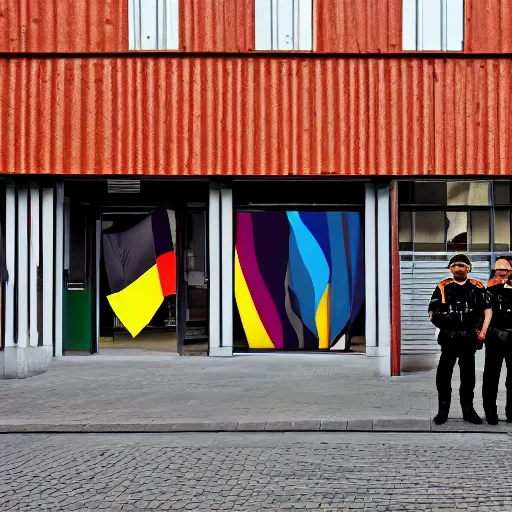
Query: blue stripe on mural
[
  {"x": 357, "y": 263},
  {"x": 316, "y": 223},
  {"x": 312, "y": 256},
  {"x": 340, "y": 292},
  {"x": 302, "y": 286}
]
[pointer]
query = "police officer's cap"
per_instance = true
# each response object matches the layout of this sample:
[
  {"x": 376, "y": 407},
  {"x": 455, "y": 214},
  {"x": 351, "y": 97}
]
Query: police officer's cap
[{"x": 460, "y": 258}]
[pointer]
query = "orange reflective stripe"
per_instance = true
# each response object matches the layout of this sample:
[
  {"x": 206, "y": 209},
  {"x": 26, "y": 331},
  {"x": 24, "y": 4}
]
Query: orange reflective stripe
[{"x": 441, "y": 286}]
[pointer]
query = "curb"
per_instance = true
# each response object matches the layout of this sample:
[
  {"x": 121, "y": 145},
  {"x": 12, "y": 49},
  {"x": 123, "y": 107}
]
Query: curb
[{"x": 353, "y": 425}]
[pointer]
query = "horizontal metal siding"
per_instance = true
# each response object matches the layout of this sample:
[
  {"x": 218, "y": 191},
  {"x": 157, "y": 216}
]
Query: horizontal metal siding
[
  {"x": 63, "y": 26},
  {"x": 362, "y": 26},
  {"x": 418, "y": 280},
  {"x": 217, "y": 25},
  {"x": 488, "y": 26},
  {"x": 256, "y": 116}
]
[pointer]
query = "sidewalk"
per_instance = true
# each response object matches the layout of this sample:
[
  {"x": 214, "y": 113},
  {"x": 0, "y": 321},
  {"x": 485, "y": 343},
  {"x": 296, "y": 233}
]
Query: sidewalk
[{"x": 155, "y": 392}]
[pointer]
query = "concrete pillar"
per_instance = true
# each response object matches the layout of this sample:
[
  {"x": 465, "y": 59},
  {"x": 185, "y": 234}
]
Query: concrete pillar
[
  {"x": 48, "y": 265},
  {"x": 10, "y": 261},
  {"x": 34, "y": 263},
  {"x": 383, "y": 280},
  {"x": 59, "y": 266},
  {"x": 23, "y": 269},
  {"x": 24, "y": 358},
  {"x": 370, "y": 262},
  {"x": 214, "y": 269},
  {"x": 221, "y": 270},
  {"x": 227, "y": 258}
]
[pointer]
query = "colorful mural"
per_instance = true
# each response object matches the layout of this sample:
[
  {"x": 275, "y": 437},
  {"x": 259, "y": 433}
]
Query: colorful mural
[{"x": 299, "y": 280}]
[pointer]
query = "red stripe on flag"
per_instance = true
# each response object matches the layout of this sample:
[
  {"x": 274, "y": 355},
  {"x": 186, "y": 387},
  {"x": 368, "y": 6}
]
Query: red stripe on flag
[{"x": 166, "y": 264}]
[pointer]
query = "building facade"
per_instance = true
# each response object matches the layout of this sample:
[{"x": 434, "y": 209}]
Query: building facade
[{"x": 319, "y": 160}]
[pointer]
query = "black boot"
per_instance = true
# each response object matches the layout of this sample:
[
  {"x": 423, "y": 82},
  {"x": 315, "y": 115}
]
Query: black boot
[
  {"x": 442, "y": 414},
  {"x": 469, "y": 414},
  {"x": 491, "y": 415}
]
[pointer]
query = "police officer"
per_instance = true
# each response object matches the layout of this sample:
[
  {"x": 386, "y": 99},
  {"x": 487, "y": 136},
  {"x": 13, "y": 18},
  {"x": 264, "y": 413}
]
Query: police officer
[
  {"x": 498, "y": 343},
  {"x": 501, "y": 272},
  {"x": 460, "y": 307}
]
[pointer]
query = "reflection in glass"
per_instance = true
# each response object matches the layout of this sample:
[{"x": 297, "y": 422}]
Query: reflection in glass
[
  {"x": 480, "y": 235},
  {"x": 502, "y": 193},
  {"x": 430, "y": 192},
  {"x": 468, "y": 193},
  {"x": 429, "y": 231},
  {"x": 502, "y": 231},
  {"x": 405, "y": 231},
  {"x": 457, "y": 232}
]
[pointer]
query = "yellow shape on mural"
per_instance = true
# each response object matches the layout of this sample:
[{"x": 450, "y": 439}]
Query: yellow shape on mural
[
  {"x": 322, "y": 319},
  {"x": 137, "y": 304},
  {"x": 257, "y": 335}
]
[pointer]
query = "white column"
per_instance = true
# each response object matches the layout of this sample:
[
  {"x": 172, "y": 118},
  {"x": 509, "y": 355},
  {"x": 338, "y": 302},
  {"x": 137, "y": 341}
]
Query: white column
[
  {"x": 370, "y": 262},
  {"x": 22, "y": 253},
  {"x": 34, "y": 262},
  {"x": 383, "y": 280},
  {"x": 48, "y": 266},
  {"x": 59, "y": 265},
  {"x": 10, "y": 261},
  {"x": 214, "y": 268},
  {"x": 227, "y": 254}
]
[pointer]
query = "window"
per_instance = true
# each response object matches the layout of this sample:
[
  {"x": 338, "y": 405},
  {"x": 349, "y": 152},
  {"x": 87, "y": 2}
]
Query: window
[
  {"x": 284, "y": 24},
  {"x": 153, "y": 24},
  {"x": 455, "y": 216},
  {"x": 433, "y": 25}
]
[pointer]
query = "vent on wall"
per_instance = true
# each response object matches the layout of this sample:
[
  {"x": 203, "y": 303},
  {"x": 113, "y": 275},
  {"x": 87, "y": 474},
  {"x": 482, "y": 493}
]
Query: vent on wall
[{"x": 123, "y": 186}]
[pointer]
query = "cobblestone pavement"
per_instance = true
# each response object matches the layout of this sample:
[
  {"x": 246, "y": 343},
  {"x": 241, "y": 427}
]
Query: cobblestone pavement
[
  {"x": 279, "y": 387},
  {"x": 254, "y": 472}
]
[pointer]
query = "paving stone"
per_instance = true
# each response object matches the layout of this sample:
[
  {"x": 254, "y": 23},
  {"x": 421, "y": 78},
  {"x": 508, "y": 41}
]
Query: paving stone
[
  {"x": 334, "y": 425},
  {"x": 402, "y": 424},
  {"x": 360, "y": 424},
  {"x": 279, "y": 426},
  {"x": 254, "y": 472},
  {"x": 251, "y": 426}
]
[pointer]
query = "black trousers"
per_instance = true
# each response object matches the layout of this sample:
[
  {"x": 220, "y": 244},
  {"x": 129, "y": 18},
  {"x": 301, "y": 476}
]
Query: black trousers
[
  {"x": 497, "y": 350},
  {"x": 461, "y": 347}
]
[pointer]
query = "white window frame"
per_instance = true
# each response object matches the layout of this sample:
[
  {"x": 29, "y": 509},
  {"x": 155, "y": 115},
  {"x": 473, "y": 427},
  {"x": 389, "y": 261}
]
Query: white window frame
[
  {"x": 153, "y": 24},
  {"x": 277, "y": 31},
  {"x": 426, "y": 28}
]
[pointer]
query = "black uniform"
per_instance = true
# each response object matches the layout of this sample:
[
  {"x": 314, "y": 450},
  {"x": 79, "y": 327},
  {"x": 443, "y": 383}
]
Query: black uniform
[
  {"x": 498, "y": 346},
  {"x": 458, "y": 313}
]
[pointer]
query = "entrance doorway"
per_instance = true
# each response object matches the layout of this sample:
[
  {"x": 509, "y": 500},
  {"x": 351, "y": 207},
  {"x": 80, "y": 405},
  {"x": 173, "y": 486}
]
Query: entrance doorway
[
  {"x": 160, "y": 334},
  {"x": 95, "y": 209},
  {"x": 180, "y": 324}
]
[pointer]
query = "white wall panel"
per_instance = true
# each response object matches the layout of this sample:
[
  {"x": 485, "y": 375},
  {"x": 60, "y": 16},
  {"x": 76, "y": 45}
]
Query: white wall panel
[
  {"x": 153, "y": 24},
  {"x": 433, "y": 25},
  {"x": 34, "y": 263},
  {"x": 10, "y": 261},
  {"x": 284, "y": 24}
]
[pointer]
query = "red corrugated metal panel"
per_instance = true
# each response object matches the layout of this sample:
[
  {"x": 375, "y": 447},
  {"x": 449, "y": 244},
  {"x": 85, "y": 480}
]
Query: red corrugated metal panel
[
  {"x": 256, "y": 116},
  {"x": 217, "y": 25},
  {"x": 473, "y": 116},
  {"x": 488, "y": 26},
  {"x": 63, "y": 26},
  {"x": 362, "y": 26}
]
